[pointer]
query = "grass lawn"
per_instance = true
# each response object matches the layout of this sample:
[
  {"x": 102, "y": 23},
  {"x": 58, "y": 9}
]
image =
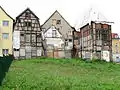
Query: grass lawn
[{"x": 62, "y": 74}]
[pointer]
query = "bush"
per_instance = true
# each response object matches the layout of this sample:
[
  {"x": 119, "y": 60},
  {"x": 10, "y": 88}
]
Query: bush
[{"x": 5, "y": 63}]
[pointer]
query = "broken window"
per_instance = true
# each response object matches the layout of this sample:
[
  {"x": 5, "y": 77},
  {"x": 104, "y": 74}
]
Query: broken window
[
  {"x": 70, "y": 40},
  {"x": 58, "y": 21}
]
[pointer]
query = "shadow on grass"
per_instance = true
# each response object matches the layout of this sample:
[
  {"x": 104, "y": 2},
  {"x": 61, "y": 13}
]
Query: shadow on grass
[{"x": 5, "y": 63}]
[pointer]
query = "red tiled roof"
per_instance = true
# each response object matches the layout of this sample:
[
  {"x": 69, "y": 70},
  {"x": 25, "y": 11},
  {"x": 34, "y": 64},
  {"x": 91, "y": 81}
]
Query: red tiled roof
[{"x": 115, "y": 35}]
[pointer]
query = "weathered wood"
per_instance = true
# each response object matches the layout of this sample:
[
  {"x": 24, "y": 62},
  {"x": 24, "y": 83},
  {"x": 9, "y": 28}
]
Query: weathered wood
[{"x": 30, "y": 34}]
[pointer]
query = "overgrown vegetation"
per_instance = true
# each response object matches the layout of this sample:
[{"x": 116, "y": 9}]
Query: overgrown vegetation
[{"x": 62, "y": 74}]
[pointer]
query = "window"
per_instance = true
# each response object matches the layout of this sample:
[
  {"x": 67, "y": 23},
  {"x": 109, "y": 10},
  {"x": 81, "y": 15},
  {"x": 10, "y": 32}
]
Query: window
[
  {"x": 5, "y": 35},
  {"x": 19, "y": 21},
  {"x": 98, "y": 36},
  {"x": 58, "y": 29},
  {"x": 21, "y": 34},
  {"x": 16, "y": 49},
  {"x": 105, "y": 26},
  {"x": 22, "y": 37},
  {"x": 27, "y": 37},
  {"x": 5, "y": 51},
  {"x": 117, "y": 57},
  {"x": 5, "y": 23},
  {"x": 70, "y": 40},
  {"x": 58, "y": 21},
  {"x": 27, "y": 15},
  {"x": 33, "y": 37},
  {"x": 53, "y": 21},
  {"x": 25, "y": 23},
  {"x": 116, "y": 47},
  {"x": 28, "y": 24},
  {"x": 66, "y": 43},
  {"x": 54, "y": 33}
]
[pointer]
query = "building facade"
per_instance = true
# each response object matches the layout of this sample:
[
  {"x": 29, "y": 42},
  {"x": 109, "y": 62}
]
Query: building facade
[
  {"x": 28, "y": 40},
  {"x": 96, "y": 41},
  {"x": 55, "y": 43},
  {"x": 115, "y": 47},
  {"x": 6, "y": 30},
  {"x": 63, "y": 27},
  {"x": 76, "y": 44}
]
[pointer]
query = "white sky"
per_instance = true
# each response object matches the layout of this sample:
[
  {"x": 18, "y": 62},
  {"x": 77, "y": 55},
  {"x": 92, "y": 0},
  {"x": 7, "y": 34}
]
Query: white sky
[{"x": 72, "y": 10}]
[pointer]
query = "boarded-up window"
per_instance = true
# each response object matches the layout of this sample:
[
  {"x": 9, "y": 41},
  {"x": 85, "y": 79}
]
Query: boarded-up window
[
  {"x": 33, "y": 48},
  {"x": 27, "y": 37},
  {"x": 53, "y": 21},
  {"x": 28, "y": 48},
  {"x": 33, "y": 38},
  {"x": 34, "y": 52},
  {"x": 22, "y": 52},
  {"x": 39, "y": 52},
  {"x": 21, "y": 37},
  {"x": 38, "y": 37}
]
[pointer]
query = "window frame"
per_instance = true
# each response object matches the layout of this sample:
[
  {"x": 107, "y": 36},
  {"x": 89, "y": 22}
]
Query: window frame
[
  {"x": 5, "y": 51},
  {"x": 5, "y": 36},
  {"x": 5, "y": 23}
]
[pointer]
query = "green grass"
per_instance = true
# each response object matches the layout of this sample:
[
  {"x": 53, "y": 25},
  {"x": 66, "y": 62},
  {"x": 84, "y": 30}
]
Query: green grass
[{"x": 62, "y": 74}]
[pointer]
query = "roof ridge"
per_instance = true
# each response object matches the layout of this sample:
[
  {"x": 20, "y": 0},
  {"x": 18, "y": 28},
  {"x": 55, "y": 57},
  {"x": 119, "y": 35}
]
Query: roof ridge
[{"x": 6, "y": 13}]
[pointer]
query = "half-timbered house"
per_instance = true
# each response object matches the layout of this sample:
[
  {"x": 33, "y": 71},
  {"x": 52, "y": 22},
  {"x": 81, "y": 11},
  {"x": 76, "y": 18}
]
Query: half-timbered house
[
  {"x": 27, "y": 36},
  {"x": 96, "y": 41}
]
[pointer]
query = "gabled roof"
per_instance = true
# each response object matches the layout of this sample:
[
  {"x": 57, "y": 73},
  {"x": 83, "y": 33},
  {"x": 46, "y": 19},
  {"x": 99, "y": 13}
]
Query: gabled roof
[
  {"x": 28, "y": 9},
  {"x": 60, "y": 15},
  {"x": 6, "y": 13},
  {"x": 73, "y": 28}
]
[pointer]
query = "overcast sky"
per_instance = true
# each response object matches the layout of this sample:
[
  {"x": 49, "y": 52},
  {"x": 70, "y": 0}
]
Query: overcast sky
[{"x": 72, "y": 10}]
